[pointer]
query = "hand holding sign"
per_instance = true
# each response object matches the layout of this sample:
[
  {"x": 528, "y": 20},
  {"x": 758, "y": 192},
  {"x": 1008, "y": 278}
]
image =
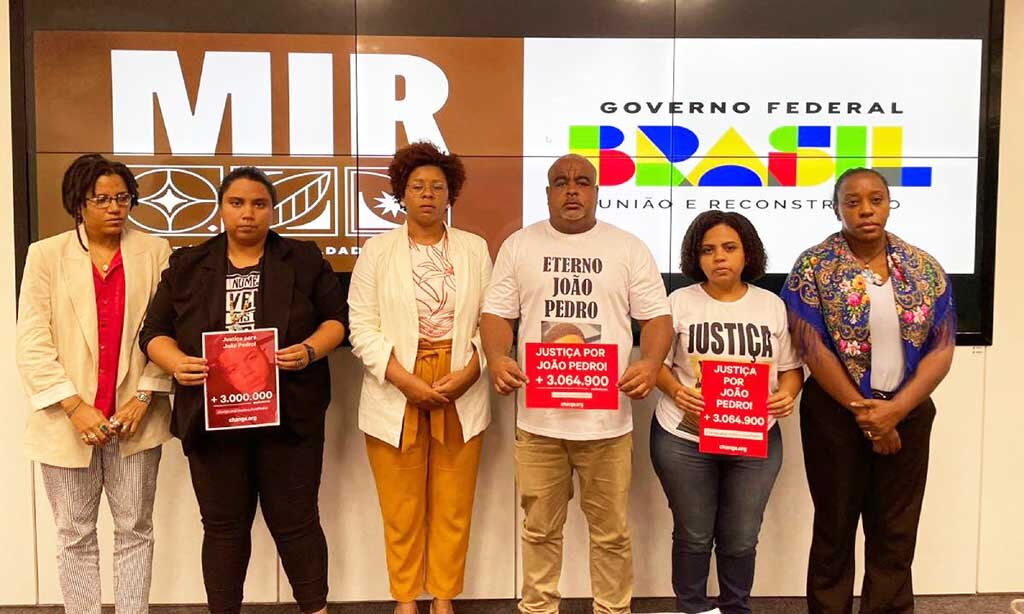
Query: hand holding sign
[
  {"x": 639, "y": 378},
  {"x": 781, "y": 404},
  {"x": 190, "y": 371},
  {"x": 689, "y": 400},
  {"x": 506, "y": 375}
]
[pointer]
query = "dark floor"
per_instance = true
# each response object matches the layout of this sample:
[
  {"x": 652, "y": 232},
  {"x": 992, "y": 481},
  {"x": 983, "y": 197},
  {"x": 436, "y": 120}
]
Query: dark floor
[{"x": 957, "y": 604}]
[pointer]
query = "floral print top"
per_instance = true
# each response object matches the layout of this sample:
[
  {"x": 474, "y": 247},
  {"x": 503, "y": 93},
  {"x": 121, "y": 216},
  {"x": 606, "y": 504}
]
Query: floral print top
[
  {"x": 826, "y": 295},
  {"x": 433, "y": 276}
]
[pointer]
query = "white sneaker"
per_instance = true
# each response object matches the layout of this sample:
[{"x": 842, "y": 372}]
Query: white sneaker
[{"x": 1017, "y": 605}]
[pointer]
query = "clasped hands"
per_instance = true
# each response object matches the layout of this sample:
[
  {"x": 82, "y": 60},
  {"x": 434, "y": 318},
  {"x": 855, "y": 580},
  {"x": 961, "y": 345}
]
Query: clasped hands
[
  {"x": 878, "y": 418},
  {"x": 442, "y": 392},
  {"x": 93, "y": 427}
]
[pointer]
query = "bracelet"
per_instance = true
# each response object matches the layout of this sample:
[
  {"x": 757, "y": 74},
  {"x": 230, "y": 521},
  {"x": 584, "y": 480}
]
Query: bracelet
[
  {"x": 74, "y": 409},
  {"x": 310, "y": 353}
]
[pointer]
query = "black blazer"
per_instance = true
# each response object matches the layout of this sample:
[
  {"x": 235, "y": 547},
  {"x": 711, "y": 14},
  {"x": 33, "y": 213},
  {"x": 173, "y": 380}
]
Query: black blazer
[{"x": 298, "y": 292}]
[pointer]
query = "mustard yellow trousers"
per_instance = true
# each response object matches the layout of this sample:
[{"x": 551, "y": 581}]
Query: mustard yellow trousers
[{"x": 426, "y": 488}]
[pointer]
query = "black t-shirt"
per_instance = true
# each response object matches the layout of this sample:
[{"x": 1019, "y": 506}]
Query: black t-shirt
[{"x": 242, "y": 292}]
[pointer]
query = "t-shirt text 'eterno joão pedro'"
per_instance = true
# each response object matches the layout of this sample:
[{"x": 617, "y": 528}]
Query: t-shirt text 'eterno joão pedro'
[
  {"x": 575, "y": 288},
  {"x": 571, "y": 292}
]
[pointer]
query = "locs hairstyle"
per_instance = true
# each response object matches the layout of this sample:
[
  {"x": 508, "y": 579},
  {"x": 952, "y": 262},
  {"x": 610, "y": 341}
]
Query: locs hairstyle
[
  {"x": 409, "y": 158},
  {"x": 753, "y": 249},
  {"x": 849, "y": 173},
  {"x": 80, "y": 179},
  {"x": 252, "y": 174}
]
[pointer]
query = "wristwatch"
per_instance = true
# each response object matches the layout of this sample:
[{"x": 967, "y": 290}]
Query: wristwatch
[
  {"x": 144, "y": 397},
  {"x": 310, "y": 353}
]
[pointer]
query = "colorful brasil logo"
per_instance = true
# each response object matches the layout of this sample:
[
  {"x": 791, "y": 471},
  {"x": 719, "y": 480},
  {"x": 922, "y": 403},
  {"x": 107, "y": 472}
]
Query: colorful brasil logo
[{"x": 798, "y": 159}]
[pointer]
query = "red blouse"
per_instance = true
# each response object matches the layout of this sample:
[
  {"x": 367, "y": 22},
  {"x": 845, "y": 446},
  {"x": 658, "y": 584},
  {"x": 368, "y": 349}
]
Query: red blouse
[{"x": 110, "y": 318}]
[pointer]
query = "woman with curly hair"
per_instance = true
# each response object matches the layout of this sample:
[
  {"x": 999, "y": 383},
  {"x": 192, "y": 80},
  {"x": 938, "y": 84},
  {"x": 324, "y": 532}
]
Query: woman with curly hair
[
  {"x": 873, "y": 317},
  {"x": 718, "y": 501},
  {"x": 415, "y": 305}
]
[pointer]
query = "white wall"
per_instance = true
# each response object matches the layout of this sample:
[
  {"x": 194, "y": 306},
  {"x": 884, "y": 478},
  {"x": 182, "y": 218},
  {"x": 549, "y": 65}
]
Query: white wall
[
  {"x": 971, "y": 539},
  {"x": 17, "y": 532},
  {"x": 1001, "y": 564}
]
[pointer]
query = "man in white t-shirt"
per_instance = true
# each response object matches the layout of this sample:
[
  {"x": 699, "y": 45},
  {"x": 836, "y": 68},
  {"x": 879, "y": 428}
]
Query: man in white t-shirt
[{"x": 573, "y": 280}]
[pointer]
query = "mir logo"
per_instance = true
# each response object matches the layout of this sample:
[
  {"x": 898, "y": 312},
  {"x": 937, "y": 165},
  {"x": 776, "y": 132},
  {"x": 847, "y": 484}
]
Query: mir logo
[
  {"x": 799, "y": 158},
  {"x": 141, "y": 80}
]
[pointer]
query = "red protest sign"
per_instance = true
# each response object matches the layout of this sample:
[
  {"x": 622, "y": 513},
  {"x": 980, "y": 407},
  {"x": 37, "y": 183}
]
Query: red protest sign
[
  {"x": 572, "y": 376},
  {"x": 241, "y": 387},
  {"x": 735, "y": 417}
]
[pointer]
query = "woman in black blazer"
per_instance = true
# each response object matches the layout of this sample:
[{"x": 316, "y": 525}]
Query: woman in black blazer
[{"x": 249, "y": 277}]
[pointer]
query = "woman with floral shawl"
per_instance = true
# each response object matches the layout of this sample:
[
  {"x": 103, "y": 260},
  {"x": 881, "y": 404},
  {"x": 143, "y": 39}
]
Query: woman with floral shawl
[{"x": 874, "y": 320}]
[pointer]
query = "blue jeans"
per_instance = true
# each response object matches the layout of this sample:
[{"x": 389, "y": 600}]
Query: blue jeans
[{"x": 716, "y": 501}]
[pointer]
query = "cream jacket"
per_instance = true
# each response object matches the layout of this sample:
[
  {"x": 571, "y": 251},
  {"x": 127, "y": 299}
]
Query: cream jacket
[
  {"x": 383, "y": 320},
  {"x": 57, "y": 339}
]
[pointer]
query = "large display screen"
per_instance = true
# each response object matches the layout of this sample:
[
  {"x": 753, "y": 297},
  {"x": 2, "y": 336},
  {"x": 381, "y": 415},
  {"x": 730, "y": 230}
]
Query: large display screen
[
  {"x": 676, "y": 125},
  {"x": 762, "y": 127}
]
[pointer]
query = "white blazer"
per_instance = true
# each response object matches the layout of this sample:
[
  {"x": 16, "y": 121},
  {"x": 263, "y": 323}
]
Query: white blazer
[
  {"x": 57, "y": 337},
  {"x": 383, "y": 319}
]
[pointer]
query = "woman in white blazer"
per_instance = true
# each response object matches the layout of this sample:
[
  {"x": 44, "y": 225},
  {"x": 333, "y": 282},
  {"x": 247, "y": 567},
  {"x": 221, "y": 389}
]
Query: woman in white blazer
[
  {"x": 414, "y": 307},
  {"x": 97, "y": 423}
]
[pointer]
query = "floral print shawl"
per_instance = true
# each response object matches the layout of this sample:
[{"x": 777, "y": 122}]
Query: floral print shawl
[{"x": 826, "y": 296}]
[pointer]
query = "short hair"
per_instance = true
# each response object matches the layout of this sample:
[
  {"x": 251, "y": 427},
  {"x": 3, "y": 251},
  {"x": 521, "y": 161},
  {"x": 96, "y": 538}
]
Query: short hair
[
  {"x": 756, "y": 260},
  {"x": 424, "y": 153},
  {"x": 859, "y": 170},
  {"x": 80, "y": 179},
  {"x": 572, "y": 156},
  {"x": 252, "y": 174}
]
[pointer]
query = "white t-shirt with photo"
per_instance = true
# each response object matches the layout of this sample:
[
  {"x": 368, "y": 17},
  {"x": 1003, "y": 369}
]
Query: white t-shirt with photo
[
  {"x": 754, "y": 328},
  {"x": 596, "y": 281}
]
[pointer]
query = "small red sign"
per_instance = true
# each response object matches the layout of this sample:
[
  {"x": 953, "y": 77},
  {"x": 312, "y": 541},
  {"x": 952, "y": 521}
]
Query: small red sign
[
  {"x": 735, "y": 417},
  {"x": 242, "y": 384},
  {"x": 572, "y": 376}
]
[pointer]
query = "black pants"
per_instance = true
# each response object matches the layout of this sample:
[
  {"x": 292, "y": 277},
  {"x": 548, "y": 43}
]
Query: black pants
[
  {"x": 849, "y": 481},
  {"x": 231, "y": 472}
]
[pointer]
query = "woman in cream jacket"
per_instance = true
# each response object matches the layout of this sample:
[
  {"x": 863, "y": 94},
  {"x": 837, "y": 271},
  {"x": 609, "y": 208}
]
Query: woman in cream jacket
[
  {"x": 97, "y": 423},
  {"x": 414, "y": 306}
]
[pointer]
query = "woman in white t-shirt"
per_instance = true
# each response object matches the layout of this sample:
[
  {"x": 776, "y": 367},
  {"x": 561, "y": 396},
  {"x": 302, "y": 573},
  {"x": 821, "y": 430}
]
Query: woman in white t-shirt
[
  {"x": 414, "y": 305},
  {"x": 718, "y": 500}
]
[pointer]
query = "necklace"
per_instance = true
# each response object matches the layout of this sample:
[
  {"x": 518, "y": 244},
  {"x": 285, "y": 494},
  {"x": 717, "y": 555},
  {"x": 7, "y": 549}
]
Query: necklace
[
  {"x": 105, "y": 266},
  {"x": 869, "y": 273}
]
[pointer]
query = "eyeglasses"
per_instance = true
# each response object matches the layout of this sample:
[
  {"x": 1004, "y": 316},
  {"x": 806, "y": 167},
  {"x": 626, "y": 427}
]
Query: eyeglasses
[
  {"x": 419, "y": 188},
  {"x": 102, "y": 201}
]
